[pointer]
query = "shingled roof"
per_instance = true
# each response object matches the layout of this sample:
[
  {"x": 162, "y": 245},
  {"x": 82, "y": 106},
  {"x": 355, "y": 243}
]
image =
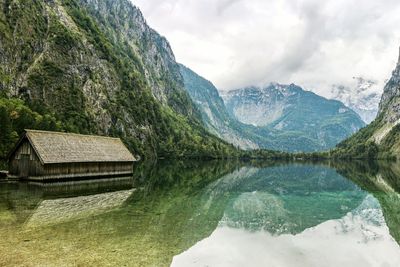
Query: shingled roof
[{"x": 57, "y": 147}]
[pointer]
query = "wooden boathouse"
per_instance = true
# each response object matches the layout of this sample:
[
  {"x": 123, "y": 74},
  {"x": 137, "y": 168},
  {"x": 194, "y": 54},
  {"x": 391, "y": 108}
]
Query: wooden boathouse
[{"x": 43, "y": 155}]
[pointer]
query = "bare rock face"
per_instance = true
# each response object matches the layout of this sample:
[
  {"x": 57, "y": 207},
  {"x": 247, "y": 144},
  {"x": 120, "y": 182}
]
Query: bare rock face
[
  {"x": 125, "y": 23},
  {"x": 292, "y": 119},
  {"x": 381, "y": 138},
  {"x": 98, "y": 68},
  {"x": 279, "y": 117},
  {"x": 389, "y": 106},
  {"x": 213, "y": 111}
]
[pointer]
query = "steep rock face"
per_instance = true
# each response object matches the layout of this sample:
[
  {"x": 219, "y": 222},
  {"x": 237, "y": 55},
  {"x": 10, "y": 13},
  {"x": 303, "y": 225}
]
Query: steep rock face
[
  {"x": 278, "y": 117},
  {"x": 125, "y": 24},
  {"x": 386, "y": 127},
  {"x": 381, "y": 138},
  {"x": 98, "y": 68},
  {"x": 389, "y": 106},
  {"x": 292, "y": 119},
  {"x": 259, "y": 106},
  {"x": 362, "y": 97},
  {"x": 57, "y": 65},
  {"x": 214, "y": 114}
]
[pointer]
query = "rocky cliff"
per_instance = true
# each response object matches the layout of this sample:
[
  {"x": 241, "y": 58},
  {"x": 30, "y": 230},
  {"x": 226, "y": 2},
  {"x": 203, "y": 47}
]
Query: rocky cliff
[
  {"x": 214, "y": 114},
  {"x": 124, "y": 23},
  {"x": 292, "y": 119},
  {"x": 381, "y": 138},
  {"x": 96, "y": 67},
  {"x": 389, "y": 107}
]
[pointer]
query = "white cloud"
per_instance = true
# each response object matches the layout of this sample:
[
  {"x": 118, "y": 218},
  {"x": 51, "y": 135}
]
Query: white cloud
[{"x": 313, "y": 43}]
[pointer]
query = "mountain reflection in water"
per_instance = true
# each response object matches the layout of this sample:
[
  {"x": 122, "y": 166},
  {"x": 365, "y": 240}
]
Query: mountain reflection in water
[{"x": 218, "y": 213}]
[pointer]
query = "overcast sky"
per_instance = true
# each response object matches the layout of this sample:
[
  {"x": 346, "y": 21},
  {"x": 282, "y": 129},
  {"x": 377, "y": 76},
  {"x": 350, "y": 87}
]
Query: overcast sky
[{"x": 313, "y": 43}]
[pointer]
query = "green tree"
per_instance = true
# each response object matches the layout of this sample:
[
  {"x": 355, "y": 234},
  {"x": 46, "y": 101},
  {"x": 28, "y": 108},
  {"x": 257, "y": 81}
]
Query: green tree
[{"x": 5, "y": 131}]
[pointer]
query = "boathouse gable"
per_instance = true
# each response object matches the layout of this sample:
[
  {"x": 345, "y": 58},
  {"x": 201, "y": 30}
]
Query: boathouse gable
[{"x": 24, "y": 161}]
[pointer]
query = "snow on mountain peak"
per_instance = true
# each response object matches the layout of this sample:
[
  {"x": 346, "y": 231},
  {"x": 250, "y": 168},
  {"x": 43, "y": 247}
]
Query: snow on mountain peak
[{"x": 363, "y": 96}]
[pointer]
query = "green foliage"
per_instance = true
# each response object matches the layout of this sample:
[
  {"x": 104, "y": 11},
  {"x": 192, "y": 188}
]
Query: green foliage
[
  {"x": 165, "y": 132},
  {"x": 62, "y": 36},
  {"x": 15, "y": 116},
  {"x": 362, "y": 146},
  {"x": 25, "y": 23},
  {"x": 58, "y": 94},
  {"x": 45, "y": 73},
  {"x": 308, "y": 122},
  {"x": 93, "y": 32},
  {"x": 390, "y": 144},
  {"x": 54, "y": 95},
  {"x": 55, "y": 98},
  {"x": 368, "y": 150},
  {"x": 6, "y": 133}
]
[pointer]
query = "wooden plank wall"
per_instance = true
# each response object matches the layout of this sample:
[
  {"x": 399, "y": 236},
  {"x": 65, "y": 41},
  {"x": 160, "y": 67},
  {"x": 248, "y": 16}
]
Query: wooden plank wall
[
  {"x": 87, "y": 168},
  {"x": 34, "y": 167}
]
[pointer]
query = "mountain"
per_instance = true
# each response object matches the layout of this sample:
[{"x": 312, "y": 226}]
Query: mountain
[
  {"x": 381, "y": 138},
  {"x": 96, "y": 67},
  {"x": 291, "y": 119},
  {"x": 214, "y": 114},
  {"x": 362, "y": 97},
  {"x": 278, "y": 117}
]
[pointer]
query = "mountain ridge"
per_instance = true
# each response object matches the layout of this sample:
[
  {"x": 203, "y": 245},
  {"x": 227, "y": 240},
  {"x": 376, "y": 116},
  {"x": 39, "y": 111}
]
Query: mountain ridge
[
  {"x": 300, "y": 120},
  {"x": 214, "y": 113},
  {"x": 381, "y": 138},
  {"x": 96, "y": 67},
  {"x": 265, "y": 125}
]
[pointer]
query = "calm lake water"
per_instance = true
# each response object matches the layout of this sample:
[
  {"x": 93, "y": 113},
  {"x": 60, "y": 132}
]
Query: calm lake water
[{"x": 208, "y": 214}]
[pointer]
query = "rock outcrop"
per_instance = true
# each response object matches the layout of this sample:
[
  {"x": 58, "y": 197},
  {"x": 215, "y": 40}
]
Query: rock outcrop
[{"x": 97, "y": 67}]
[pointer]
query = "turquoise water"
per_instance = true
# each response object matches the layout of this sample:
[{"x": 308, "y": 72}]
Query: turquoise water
[{"x": 208, "y": 214}]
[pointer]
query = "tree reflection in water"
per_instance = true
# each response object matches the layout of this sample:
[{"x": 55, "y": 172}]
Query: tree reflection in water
[{"x": 170, "y": 206}]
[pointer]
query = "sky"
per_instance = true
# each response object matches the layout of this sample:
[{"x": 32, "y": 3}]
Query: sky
[{"x": 312, "y": 43}]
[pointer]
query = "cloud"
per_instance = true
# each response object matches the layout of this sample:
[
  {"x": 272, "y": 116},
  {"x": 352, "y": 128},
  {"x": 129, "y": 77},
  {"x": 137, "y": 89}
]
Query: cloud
[
  {"x": 313, "y": 43},
  {"x": 225, "y": 4}
]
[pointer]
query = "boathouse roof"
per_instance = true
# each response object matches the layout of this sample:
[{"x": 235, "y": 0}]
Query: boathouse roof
[{"x": 58, "y": 147}]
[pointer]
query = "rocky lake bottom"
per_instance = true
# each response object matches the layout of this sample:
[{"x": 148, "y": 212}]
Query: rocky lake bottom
[{"x": 216, "y": 213}]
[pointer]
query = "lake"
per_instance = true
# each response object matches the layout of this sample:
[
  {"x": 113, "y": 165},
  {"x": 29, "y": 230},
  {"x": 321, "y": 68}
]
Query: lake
[{"x": 217, "y": 213}]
